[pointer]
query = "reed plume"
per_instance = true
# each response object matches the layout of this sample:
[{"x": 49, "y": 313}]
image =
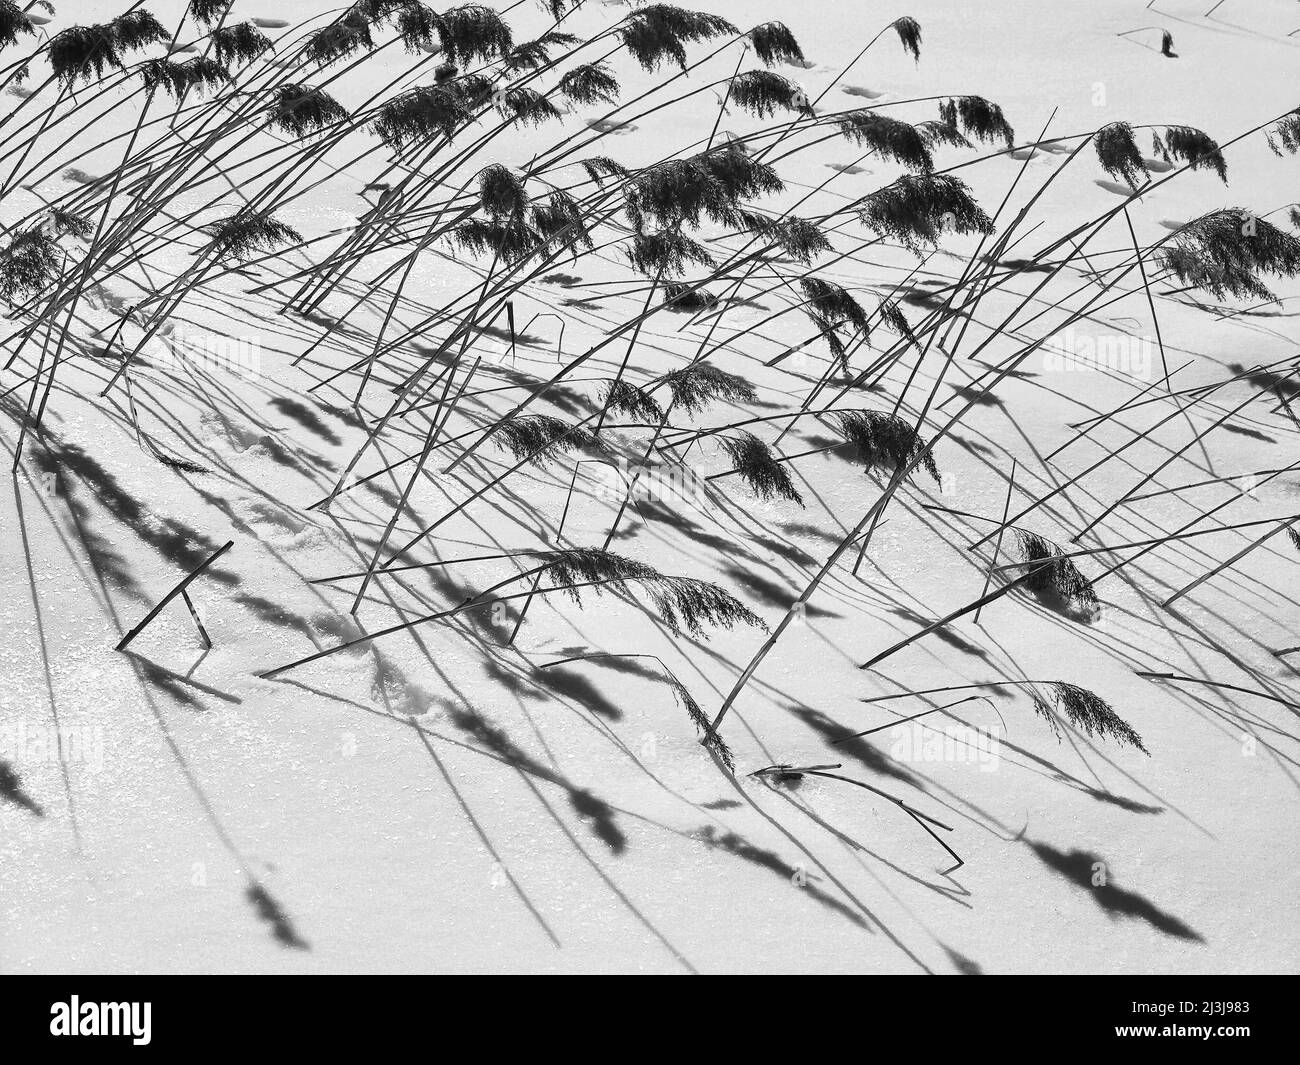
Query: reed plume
[
  {"x": 891, "y": 138},
  {"x": 885, "y": 441},
  {"x": 137, "y": 29},
  {"x": 666, "y": 253},
  {"x": 634, "y": 402},
  {"x": 918, "y": 208},
  {"x": 209, "y": 12},
  {"x": 1050, "y": 573},
  {"x": 937, "y": 133},
  {"x": 754, "y": 461},
  {"x": 29, "y": 263},
  {"x": 909, "y": 35},
  {"x": 774, "y": 43},
  {"x": 684, "y": 604},
  {"x": 694, "y": 387},
  {"x": 710, "y": 739},
  {"x": 600, "y": 167},
  {"x": 687, "y": 298},
  {"x": 590, "y": 83},
  {"x": 686, "y": 191},
  {"x": 420, "y": 113},
  {"x": 658, "y": 33},
  {"x": 1285, "y": 134},
  {"x": 540, "y": 438},
  {"x": 417, "y": 26},
  {"x": 84, "y": 51},
  {"x": 1088, "y": 712},
  {"x": 473, "y": 32},
  {"x": 763, "y": 93},
  {"x": 301, "y": 110},
  {"x": 1118, "y": 153},
  {"x": 247, "y": 232},
  {"x": 201, "y": 72},
  {"x": 343, "y": 38},
  {"x": 533, "y": 55},
  {"x": 527, "y": 107},
  {"x": 240, "y": 43},
  {"x": 979, "y": 118},
  {"x": 1198, "y": 150},
  {"x": 1225, "y": 251},
  {"x": 13, "y": 21}
]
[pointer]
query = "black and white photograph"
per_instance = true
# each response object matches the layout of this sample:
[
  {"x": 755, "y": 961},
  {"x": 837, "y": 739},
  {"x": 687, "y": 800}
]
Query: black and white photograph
[{"x": 590, "y": 487}]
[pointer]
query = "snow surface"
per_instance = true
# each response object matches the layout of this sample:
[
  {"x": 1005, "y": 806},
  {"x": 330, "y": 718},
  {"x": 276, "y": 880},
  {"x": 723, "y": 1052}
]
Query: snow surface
[{"x": 436, "y": 802}]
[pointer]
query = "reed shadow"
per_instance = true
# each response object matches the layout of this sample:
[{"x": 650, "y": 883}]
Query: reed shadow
[{"x": 1080, "y": 868}]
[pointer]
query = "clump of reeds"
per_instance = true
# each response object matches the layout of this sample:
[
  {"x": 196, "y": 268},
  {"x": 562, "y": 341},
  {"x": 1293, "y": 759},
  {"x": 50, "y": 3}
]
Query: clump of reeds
[
  {"x": 509, "y": 239},
  {"x": 516, "y": 227},
  {"x": 754, "y": 461},
  {"x": 1088, "y": 712},
  {"x": 763, "y": 93}
]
